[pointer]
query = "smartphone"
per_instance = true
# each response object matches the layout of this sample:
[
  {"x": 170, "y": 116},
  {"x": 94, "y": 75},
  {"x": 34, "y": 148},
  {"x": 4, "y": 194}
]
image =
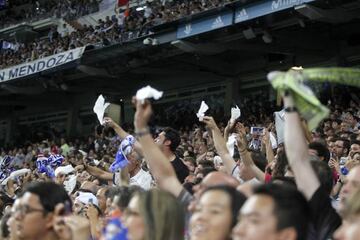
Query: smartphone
[{"x": 257, "y": 130}]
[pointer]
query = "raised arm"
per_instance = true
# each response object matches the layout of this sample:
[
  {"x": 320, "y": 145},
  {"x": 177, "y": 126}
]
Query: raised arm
[
  {"x": 220, "y": 144},
  {"x": 122, "y": 133},
  {"x": 297, "y": 151},
  {"x": 245, "y": 154},
  {"x": 268, "y": 147},
  {"x": 160, "y": 166},
  {"x": 97, "y": 172}
]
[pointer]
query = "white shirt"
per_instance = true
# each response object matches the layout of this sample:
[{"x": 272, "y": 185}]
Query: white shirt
[
  {"x": 236, "y": 174},
  {"x": 142, "y": 179}
]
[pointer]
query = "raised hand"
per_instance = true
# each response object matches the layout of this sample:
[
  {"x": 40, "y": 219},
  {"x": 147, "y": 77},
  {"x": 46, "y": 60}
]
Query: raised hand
[
  {"x": 142, "y": 114},
  {"x": 210, "y": 122}
]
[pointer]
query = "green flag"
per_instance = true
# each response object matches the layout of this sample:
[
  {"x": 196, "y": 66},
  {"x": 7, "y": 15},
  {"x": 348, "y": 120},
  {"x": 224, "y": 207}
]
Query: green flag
[{"x": 309, "y": 106}]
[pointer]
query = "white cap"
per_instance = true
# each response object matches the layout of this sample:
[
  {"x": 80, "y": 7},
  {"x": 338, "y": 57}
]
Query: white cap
[
  {"x": 86, "y": 198},
  {"x": 64, "y": 170}
]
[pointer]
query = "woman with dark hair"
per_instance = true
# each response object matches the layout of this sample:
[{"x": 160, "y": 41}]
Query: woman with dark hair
[{"x": 216, "y": 213}]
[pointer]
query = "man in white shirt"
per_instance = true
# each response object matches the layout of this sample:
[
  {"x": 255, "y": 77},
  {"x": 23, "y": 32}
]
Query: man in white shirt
[{"x": 137, "y": 176}]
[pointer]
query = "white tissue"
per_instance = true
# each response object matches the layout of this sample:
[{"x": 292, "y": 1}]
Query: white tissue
[
  {"x": 70, "y": 184},
  {"x": 148, "y": 92},
  {"x": 203, "y": 108},
  {"x": 273, "y": 141},
  {"x": 15, "y": 174},
  {"x": 235, "y": 113},
  {"x": 64, "y": 170},
  {"x": 231, "y": 144},
  {"x": 99, "y": 108}
]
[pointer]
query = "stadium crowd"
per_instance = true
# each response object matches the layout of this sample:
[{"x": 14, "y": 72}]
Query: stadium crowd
[
  {"x": 125, "y": 25},
  {"x": 37, "y": 10},
  {"x": 190, "y": 183}
]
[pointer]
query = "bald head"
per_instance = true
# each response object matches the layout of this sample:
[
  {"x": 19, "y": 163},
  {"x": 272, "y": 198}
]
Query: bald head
[
  {"x": 219, "y": 178},
  {"x": 90, "y": 186}
]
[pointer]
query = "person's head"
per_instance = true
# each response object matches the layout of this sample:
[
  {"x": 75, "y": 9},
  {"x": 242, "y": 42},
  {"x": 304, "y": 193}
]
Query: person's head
[
  {"x": 123, "y": 197},
  {"x": 319, "y": 150},
  {"x": 214, "y": 179},
  {"x": 36, "y": 205},
  {"x": 355, "y": 146},
  {"x": 342, "y": 147},
  {"x": 210, "y": 155},
  {"x": 82, "y": 200},
  {"x": 350, "y": 228},
  {"x": 274, "y": 211},
  {"x": 351, "y": 184},
  {"x": 135, "y": 161},
  {"x": 101, "y": 197},
  {"x": 154, "y": 215},
  {"x": 168, "y": 139},
  {"x": 190, "y": 162},
  {"x": 11, "y": 223},
  {"x": 215, "y": 213}
]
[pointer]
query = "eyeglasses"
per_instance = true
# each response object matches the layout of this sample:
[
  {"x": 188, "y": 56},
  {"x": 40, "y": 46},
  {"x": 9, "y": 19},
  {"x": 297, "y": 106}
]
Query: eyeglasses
[{"x": 25, "y": 209}]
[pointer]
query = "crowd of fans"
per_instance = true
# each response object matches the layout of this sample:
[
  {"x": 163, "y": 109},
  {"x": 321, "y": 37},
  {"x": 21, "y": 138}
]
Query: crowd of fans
[
  {"x": 37, "y": 10},
  {"x": 190, "y": 183},
  {"x": 123, "y": 26}
]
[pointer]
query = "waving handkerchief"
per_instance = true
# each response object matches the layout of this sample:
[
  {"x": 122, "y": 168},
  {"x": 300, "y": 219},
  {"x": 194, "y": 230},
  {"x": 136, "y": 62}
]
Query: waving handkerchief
[
  {"x": 100, "y": 107},
  {"x": 273, "y": 141},
  {"x": 203, "y": 108},
  {"x": 231, "y": 144},
  {"x": 70, "y": 184},
  {"x": 235, "y": 113},
  {"x": 148, "y": 92},
  {"x": 16, "y": 174}
]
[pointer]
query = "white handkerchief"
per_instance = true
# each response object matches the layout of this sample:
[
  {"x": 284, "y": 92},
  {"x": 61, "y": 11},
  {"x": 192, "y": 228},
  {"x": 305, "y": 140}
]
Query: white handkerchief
[
  {"x": 203, "y": 108},
  {"x": 99, "y": 108},
  {"x": 64, "y": 170},
  {"x": 70, "y": 184},
  {"x": 148, "y": 92},
  {"x": 273, "y": 141},
  {"x": 235, "y": 113},
  {"x": 16, "y": 174},
  {"x": 279, "y": 124},
  {"x": 231, "y": 144}
]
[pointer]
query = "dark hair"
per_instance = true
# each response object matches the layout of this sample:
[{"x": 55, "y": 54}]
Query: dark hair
[
  {"x": 355, "y": 142},
  {"x": 49, "y": 193},
  {"x": 237, "y": 199},
  {"x": 174, "y": 137},
  {"x": 125, "y": 194},
  {"x": 259, "y": 160},
  {"x": 321, "y": 149},
  {"x": 290, "y": 207},
  {"x": 289, "y": 181},
  {"x": 346, "y": 143},
  {"x": 6, "y": 200},
  {"x": 324, "y": 174},
  {"x": 206, "y": 170},
  {"x": 280, "y": 165},
  {"x": 4, "y": 227},
  {"x": 206, "y": 163}
]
